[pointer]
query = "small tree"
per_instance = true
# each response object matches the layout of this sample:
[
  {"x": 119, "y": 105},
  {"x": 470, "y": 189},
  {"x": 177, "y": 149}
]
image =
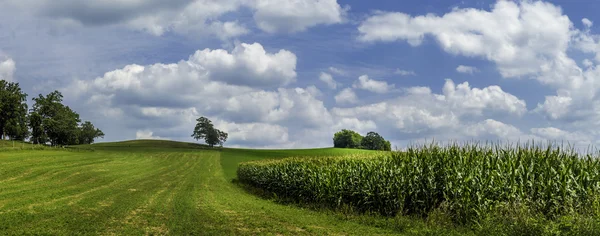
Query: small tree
[
  {"x": 347, "y": 139},
  {"x": 205, "y": 130}
]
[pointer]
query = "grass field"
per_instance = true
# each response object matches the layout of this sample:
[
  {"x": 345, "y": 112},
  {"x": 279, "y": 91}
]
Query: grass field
[{"x": 156, "y": 187}]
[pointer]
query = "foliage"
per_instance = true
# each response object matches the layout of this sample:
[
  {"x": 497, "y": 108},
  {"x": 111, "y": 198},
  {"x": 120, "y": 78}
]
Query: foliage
[
  {"x": 466, "y": 181},
  {"x": 351, "y": 139},
  {"x": 59, "y": 122},
  {"x": 88, "y": 133},
  {"x": 374, "y": 141},
  {"x": 13, "y": 111},
  {"x": 205, "y": 130},
  {"x": 51, "y": 121},
  {"x": 347, "y": 139}
]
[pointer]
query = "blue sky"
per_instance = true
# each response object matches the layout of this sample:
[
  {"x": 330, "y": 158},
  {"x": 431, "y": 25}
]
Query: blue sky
[{"x": 291, "y": 73}]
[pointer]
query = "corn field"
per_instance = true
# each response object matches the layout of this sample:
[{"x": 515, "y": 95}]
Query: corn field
[{"x": 466, "y": 181}]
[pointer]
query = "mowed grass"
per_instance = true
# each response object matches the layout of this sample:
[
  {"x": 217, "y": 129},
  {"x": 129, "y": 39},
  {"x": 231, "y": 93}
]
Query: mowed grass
[{"x": 159, "y": 187}]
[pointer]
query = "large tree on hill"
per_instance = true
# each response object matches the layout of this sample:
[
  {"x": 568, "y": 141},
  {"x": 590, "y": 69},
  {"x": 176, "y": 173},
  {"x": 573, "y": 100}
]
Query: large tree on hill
[
  {"x": 13, "y": 111},
  {"x": 347, "y": 139},
  {"x": 205, "y": 130},
  {"x": 54, "y": 122}
]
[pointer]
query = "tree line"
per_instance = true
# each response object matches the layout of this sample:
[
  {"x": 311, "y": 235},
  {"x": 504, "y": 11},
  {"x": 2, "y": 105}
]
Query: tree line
[
  {"x": 351, "y": 139},
  {"x": 47, "y": 122}
]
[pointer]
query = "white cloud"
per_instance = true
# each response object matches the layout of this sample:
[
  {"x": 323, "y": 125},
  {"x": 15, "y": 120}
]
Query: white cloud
[
  {"x": 352, "y": 123},
  {"x": 493, "y": 129},
  {"x": 520, "y": 38},
  {"x": 372, "y": 85},
  {"x": 328, "y": 79},
  {"x": 7, "y": 69},
  {"x": 145, "y": 134},
  {"x": 587, "y": 22},
  {"x": 205, "y": 85},
  {"x": 293, "y": 16},
  {"x": 337, "y": 71},
  {"x": 347, "y": 95},
  {"x": 466, "y": 69},
  {"x": 555, "y": 106},
  {"x": 404, "y": 72},
  {"x": 587, "y": 63},
  {"x": 191, "y": 17},
  {"x": 462, "y": 96},
  {"x": 423, "y": 113},
  {"x": 248, "y": 64},
  {"x": 314, "y": 91},
  {"x": 254, "y": 134}
]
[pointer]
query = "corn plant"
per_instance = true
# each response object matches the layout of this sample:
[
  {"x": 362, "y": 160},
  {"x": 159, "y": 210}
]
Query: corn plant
[{"x": 468, "y": 181}]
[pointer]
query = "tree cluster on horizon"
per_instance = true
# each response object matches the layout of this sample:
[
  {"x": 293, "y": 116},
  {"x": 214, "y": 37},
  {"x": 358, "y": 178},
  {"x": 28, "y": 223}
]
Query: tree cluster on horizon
[
  {"x": 351, "y": 139},
  {"x": 49, "y": 121}
]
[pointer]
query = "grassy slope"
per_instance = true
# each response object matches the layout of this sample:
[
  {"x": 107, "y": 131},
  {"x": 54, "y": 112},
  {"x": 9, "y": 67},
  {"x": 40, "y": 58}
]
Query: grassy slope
[{"x": 158, "y": 187}]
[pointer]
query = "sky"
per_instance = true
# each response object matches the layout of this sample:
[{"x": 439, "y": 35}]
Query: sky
[{"x": 289, "y": 74}]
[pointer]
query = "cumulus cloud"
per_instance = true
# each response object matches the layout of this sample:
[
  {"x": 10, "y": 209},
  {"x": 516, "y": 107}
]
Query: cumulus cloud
[
  {"x": 206, "y": 85},
  {"x": 293, "y": 16},
  {"x": 347, "y": 96},
  {"x": 504, "y": 35},
  {"x": 493, "y": 129},
  {"x": 525, "y": 39},
  {"x": 466, "y": 69},
  {"x": 555, "y": 106},
  {"x": 372, "y": 85},
  {"x": 328, "y": 79},
  {"x": 145, "y": 134},
  {"x": 7, "y": 69},
  {"x": 422, "y": 113},
  {"x": 248, "y": 64},
  {"x": 587, "y": 22}
]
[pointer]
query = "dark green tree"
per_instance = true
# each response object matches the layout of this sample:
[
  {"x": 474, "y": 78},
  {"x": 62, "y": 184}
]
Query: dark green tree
[
  {"x": 13, "y": 111},
  {"x": 58, "y": 122},
  {"x": 347, "y": 139},
  {"x": 38, "y": 136},
  {"x": 205, "y": 130},
  {"x": 387, "y": 146},
  {"x": 374, "y": 141},
  {"x": 88, "y": 133}
]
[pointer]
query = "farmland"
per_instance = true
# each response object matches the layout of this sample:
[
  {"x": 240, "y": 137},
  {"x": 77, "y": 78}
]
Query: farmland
[
  {"x": 150, "y": 188},
  {"x": 160, "y": 187}
]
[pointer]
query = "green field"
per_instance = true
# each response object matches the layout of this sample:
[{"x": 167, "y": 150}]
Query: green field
[
  {"x": 171, "y": 188},
  {"x": 155, "y": 187}
]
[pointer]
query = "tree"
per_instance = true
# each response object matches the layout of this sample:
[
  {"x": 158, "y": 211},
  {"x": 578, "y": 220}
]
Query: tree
[
  {"x": 205, "y": 130},
  {"x": 59, "y": 124},
  {"x": 387, "y": 146},
  {"x": 222, "y": 138},
  {"x": 374, "y": 141},
  {"x": 347, "y": 139},
  {"x": 38, "y": 136},
  {"x": 88, "y": 133},
  {"x": 13, "y": 111}
]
